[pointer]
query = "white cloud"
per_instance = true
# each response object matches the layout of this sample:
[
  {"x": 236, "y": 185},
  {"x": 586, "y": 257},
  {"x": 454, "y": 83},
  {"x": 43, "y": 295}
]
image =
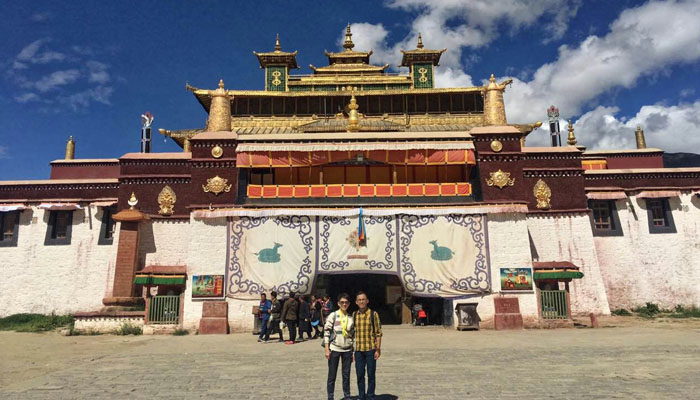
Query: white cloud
[
  {"x": 641, "y": 41},
  {"x": 41, "y": 16},
  {"x": 4, "y": 152},
  {"x": 456, "y": 24},
  {"x": 56, "y": 79},
  {"x": 32, "y": 54},
  {"x": 76, "y": 101},
  {"x": 671, "y": 128},
  {"x": 26, "y": 98},
  {"x": 97, "y": 72}
]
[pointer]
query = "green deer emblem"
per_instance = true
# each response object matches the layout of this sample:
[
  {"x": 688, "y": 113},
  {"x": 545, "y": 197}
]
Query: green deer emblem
[
  {"x": 440, "y": 253},
  {"x": 269, "y": 255}
]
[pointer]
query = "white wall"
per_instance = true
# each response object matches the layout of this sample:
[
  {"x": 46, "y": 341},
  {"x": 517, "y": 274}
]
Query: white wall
[
  {"x": 508, "y": 247},
  {"x": 662, "y": 268},
  {"x": 61, "y": 279},
  {"x": 568, "y": 237},
  {"x": 163, "y": 242}
]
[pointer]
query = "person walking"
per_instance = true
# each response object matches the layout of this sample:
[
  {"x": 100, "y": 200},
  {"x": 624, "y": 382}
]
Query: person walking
[
  {"x": 368, "y": 345},
  {"x": 304, "y": 318},
  {"x": 264, "y": 316},
  {"x": 316, "y": 320},
  {"x": 290, "y": 314},
  {"x": 274, "y": 323},
  {"x": 338, "y": 333}
]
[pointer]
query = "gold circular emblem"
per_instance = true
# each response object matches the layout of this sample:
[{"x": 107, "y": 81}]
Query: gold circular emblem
[
  {"x": 217, "y": 151},
  {"x": 496, "y": 145}
]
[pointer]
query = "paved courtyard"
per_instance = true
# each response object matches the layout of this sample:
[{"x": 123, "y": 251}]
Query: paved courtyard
[{"x": 648, "y": 361}]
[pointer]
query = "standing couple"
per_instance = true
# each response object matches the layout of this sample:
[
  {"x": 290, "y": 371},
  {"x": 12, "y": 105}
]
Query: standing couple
[{"x": 353, "y": 337}]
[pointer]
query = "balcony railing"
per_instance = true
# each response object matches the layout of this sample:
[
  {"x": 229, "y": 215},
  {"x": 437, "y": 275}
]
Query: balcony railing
[{"x": 359, "y": 190}]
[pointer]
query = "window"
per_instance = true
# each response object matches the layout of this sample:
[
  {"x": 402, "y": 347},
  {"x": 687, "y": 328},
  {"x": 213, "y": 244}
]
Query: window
[
  {"x": 261, "y": 176},
  {"x": 59, "y": 229},
  {"x": 107, "y": 227},
  {"x": 9, "y": 227},
  {"x": 604, "y": 219},
  {"x": 660, "y": 216}
]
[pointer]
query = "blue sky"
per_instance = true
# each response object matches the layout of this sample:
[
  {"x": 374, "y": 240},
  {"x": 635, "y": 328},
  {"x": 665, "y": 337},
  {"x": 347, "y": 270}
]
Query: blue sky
[{"x": 90, "y": 69}]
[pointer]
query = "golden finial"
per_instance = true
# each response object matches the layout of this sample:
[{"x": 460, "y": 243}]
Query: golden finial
[
  {"x": 353, "y": 115},
  {"x": 639, "y": 136},
  {"x": 70, "y": 149},
  {"x": 277, "y": 43},
  {"x": 133, "y": 201},
  {"x": 420, "y": 41},
  {"x": 348, "y": 44},
  {"x": 221, "y": 83},
  {"x": 571, "y": 140}
]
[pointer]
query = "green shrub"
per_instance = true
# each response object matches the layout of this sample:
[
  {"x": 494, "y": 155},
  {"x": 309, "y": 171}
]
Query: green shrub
[
  {"x": 128, "y": 329},
  {"x": 34, "y": 322},
  {"x": 621, "y": 312},
  {"x": 647, "y": 311},
  {"x": 682, "y": 312},
  {"x": 181, "y": 332}
]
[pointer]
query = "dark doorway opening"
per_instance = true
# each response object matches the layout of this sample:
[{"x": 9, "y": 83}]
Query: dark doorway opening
[{"x": 384, "y": 292}]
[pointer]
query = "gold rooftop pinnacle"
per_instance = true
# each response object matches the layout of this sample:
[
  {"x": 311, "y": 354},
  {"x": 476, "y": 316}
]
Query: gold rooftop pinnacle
[
  {"x": 420, "y": 42},
  {"x": 571, "y": 140},
  {"x": 639, "y": 136},
  {"x": 353, "y": 115},
  {"x": 278, "y": 47},
  {"x": 70, "y": 149},
  {"x": 348, "y": 44},
  {"x": 219, "y": 110},
  {"x": 221, "y": 84}
]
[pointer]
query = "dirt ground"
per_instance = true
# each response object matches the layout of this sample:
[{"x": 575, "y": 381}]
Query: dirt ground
[{"x": 626, "y": 357}]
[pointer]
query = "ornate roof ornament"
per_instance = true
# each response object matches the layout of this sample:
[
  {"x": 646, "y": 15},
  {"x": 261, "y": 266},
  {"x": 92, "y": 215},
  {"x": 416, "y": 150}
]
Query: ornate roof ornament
[
  {"x": 553, "y": 113},
  {"x": 500, "y": 179},
  {"x": 166, "y": 201},
  {"x": 278, "y": 47},
  {"x": 571, "y": 140},
  {"x": 353, "y": 115},
  {"x": 133, "y": 201},
  {"x": 420, "y": 42},
  {"x": 217, "y": 185},
  {"x": 543, "y": 194},
  {"x": 639, "y": 136},
  {"x": 348, "y": 44}
]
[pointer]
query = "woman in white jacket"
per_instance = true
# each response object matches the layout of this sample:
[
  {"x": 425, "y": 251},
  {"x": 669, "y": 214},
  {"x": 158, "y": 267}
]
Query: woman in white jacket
[{"x": 338, "y": 337}]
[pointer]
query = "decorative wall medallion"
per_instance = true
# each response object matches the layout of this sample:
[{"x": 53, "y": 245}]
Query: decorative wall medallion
[
  {"x": 500, "y": 179},
  {"x": 166, "y": 201},
  {"x": 276, "y": 75},
  {"x": 423, "y": 72},
  {"x": 216, "y": 185},
  {"x": 543, "y": 194},
  {"x": 217, "y": 151},
  {"x": 496, "y": 145}
]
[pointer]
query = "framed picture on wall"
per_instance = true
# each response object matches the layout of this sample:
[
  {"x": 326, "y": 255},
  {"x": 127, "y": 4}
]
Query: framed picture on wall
[
  {"x": 207, "y": 286},
  {"x": 516, "y": 279}
]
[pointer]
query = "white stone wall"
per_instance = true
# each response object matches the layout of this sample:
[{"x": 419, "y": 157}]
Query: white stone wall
[
  {"x": 568, "y": 237},
  {"x": 661, "y": 268},
  {"x": 163, "y": 242},
  {"x": 56, "y": 279},
  {"x": 508, "y": 247}
]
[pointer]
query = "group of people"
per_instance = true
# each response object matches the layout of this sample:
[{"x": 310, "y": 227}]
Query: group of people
[
  {"x": 347, "y": 337},
  {"x": 299, "y": 314}
]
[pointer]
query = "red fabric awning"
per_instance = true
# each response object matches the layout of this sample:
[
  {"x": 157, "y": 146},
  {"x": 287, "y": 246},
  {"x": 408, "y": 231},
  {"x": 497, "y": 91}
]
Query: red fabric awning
[
  {"x": 606, "y": 195},
  {"x": 657, "y": 194},
  {"x": 282, "y": 159}
]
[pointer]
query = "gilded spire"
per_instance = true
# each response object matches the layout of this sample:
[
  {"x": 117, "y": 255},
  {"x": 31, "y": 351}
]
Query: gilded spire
[
  {"x": 70, "y": 149},
  {"x": 221, "y": 84},
  {"x": 639, "y": 136},
  {"x": 277, "y": 43},
  {"x": 571, "y": 140},
  {"x": 348, "y": 44},
  {"x": 353, "y": 115},
  {"x": 420, "y": 42}
]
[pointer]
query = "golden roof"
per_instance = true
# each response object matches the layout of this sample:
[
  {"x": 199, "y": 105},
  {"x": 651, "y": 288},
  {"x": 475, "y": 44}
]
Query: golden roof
[
  {"x": 350, "y": 68},
  {"x": 420, "y": 54},
  {"x": 277, "y": 56}
]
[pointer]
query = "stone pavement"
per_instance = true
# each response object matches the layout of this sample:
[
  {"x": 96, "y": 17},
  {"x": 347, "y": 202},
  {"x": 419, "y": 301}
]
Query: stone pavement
[{"x": 644, "y": 362}]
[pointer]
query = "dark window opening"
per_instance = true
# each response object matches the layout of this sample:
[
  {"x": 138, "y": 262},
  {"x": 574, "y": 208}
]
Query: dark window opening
[
  {"x": 604, "y": 219},
  {"x": 9, "y": 225},
  {"x": 660, "y": 216},
  {"x": 59, "y": 229},
  {"x": 261, "y": 176},
  {"x": 108, "y": 226}
]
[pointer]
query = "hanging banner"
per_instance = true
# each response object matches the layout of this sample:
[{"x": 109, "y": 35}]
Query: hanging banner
[
  {"x": 433, "y": 255},
  {"x": 444, "y": 256}
]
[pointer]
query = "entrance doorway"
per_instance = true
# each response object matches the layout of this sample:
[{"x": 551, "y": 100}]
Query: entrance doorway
[{"x": 384, "y": 292}]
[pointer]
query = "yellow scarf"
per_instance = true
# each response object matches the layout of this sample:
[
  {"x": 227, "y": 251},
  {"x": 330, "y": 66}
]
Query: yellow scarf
[{"x": 344, "y": 323}]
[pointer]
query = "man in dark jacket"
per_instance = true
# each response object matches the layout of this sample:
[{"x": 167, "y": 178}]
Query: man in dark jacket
[
  {"x": 290, "y": 314},
  {"x": 275, "y": 314},
  {"x": 304, "y": 318}
]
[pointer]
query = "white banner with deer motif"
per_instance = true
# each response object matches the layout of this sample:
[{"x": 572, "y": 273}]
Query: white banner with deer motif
[{"x": 434, "y": 255}]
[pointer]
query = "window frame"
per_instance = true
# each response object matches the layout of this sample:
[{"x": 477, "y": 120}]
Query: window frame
[
  {"x": 51, "y": 239},
  {"x": 12, "y": 242},
  {"x": 107, "y": 222},
  {"x": 670, "y": 226},
  {"x": 615, "y": 226}
]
